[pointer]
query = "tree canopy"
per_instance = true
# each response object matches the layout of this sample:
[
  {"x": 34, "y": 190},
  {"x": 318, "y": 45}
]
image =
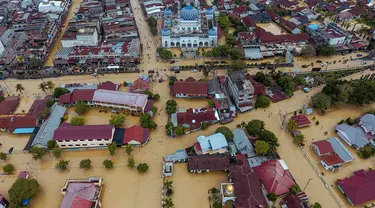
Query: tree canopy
[
  {"x": 263, "y": 78},
  {"x": 261, "y": 147},
  {"x": 117, "y": 120},
  {"x": 51, "y": 144},
  {"x": 321, "y": 101},
  {"x": 37, "y": 153},
  {"x": 171, "y": 106},
  {"x": 179, "y": 130},
  {"x": 237, "y": 64},
  {"x": 112, "y": 148},
  {"x": 62, "y": 165},
  {"x": 262, "y": 101},
  {"x": 108, "y": 164},
  {"x": 255, "y": 127},
  {"x": 8, "y": 168},
  {"x": 147, "y": 121},
  {"x": 3, "y": 156},
  {"x": 23, "y": 189},
  {"x": 58, "y": 91},
  {"x": 226, "y": 132},
  {"x": 85, "y": 164},
  {"x": 81, "y": 108},
  {"x": 77, "y": 121},
  {"x": 325, "y": 50},
  {"x": 164, "y": 53},
  {"x": 142, "y": 167}
]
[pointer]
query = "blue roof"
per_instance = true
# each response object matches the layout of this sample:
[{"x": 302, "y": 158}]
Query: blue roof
[
  {"x": 189, "y": 13},
  {"x": 340, "y": 149},
  {"x": 313, "y": 26},
  {"x": 165, "y": 32},
  {"x": 23, "y": 131},
  {"x": 168, "y": 12},
  {"x": 188, "y": 7},
  {"x": 209, "y": 11},
  {"x": 212, "y": 31}
]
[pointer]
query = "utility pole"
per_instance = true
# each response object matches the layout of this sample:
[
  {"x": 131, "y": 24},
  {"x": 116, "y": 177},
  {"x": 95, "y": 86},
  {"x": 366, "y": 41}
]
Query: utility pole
[{"x": 307, "y": 183}]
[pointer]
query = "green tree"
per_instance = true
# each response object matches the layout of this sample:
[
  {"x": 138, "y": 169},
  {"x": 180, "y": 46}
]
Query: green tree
[
  {"x": 57, "y": 152},
  {"x": 152, "y": 22},
  {"x": 261, "y": 147},
  {"x": 292, "y": 125},
  {"x": 156, "y": 97},
  {"x": 255, "y": 127},
  {"x": 365, "y": 152},
  {"x": 77, "y": 121},
  {"x": 131, "y": 163},
  {"x": 154, "y": 110},
  {"x": 286, "y": 82},
  {"x": 272, "y": 197},
  {"x": 168, "y": 184},
  {"x": 108, "y": 164},
  {"x": 270, "y": 138},
  {"x": 2, "y": 98},
  {"x": 316, "y": 205},
  {"x": 62, "y": 165},
  {"x": 85, "y": 164},
  {"x": 117, "y": 120},
  {"x": 172, "y": 79},
  {"x": 363, "y": 92},
  {"x": 263, "y": 78},
  {"x": 205, "y": 125},
  {"x": 231, "y": 39},
  {"x": 299, "y": 139},
  {"x": 112, "y": 148},
  {"x": 237, "y": 64},
  {"x": 179, "y": 130},
  {"x": 3, "y": 156},
  {"x": 81, "y": 108},
  {"x": 50, "y": 103},
  {"x": 298, "y": 80},
  {"x": 50, "y": 85},
  {"x": 142, "y": 167},
  {"x": 58, "y": 91},
  {"x": 294, "y": 189},
  {"x": 37, "y": 153},
  {"x": 339, "y": 91},
  {"x": 308, "y": 51},
  {"x": 211, "y": 103},
  {"x": 154, "y": 31},
  {"x": 325, "y": 50},
  {"x": 168, "y": 128},
  {"x": 165, "y": 53},
  {"x": 226, "y": 132},
  {"x": 128, "y": 149},
  {"x": 23, "y": 189},
  {"x": 321, "y": 101},
  {"x": 43, "y": 86},
  {"x": 168, "y": 203},
  {"x": 19, "y": 88},
  {"x": 51, "y": 144},
  {"x": 149, "y": 93},
  {"x": 262, "y": 101},
  {"x": 236, "y": 54},
  {"x": 147, "y": 121},
  {"x": 8, "y": 168},
  {"x": 171, "y": 106},
  {"x": 223, "y": 21}
]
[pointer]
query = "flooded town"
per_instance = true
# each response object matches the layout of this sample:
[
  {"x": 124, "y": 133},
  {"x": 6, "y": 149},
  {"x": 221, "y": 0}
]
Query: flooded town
[{"x": 187, "y": 104}]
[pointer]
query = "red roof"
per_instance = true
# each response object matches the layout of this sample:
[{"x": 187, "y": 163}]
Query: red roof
[
  {"x": 8, "y": 105},
  {"x": 332, "y": 159},
  {"x": 38, "y": 106},
  {"x": 248, "y": 22},
  {"x": 65, "y": 99},
  {"x": 324, "y": 147},
  {"x": 77, "y": 95},
  {"x": 360, "y": 187},
  {"x": 136, "y": 133},
  {"x": 139, "y": 85},
  {"x": 107, "y": 86},
  {"x": 81, "y": 203},
  {"x": 10, "y": 123},
  {"x": 69, "y": 132},
  {"x": 209, "y": 162},
  {"x": 241, "y": 9},
  {"x": 292, "y": 201},
  {"x": 301, "y": 120},
  {"x": 275, "y": 178},
  {"x": 194, "y": 117},
  {"x": 190, "y": 88},
  {"x": 246, "y": 184},
  {"x": 295, "y": 38},
  {"x": 23, "y": 174}
]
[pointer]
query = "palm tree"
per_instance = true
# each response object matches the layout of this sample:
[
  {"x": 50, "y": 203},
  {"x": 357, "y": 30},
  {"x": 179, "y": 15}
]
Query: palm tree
[
  {"x": 168, "y": 184},
  {"x": 19, "y": 88},
  {"x": 43, "y": 86},
  {"x": 168, "y": 203},
  {"x": 50, "y": 85}
]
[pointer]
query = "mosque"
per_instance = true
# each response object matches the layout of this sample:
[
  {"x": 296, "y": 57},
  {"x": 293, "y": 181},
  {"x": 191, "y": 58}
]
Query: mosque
[{"x": 190, "y": 28}]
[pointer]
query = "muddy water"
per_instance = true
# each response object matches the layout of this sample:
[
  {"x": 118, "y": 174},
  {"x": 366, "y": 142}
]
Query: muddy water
[
  {"x": 57, "y": 45},
  {"x": 272, "y": 28}
]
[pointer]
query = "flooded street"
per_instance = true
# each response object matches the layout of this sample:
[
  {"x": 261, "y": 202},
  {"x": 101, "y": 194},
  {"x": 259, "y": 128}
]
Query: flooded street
[
  {"x": 57, "y": 45},
  {"x": 144, "y": 190},
  {"x": 272, "y": 28}
]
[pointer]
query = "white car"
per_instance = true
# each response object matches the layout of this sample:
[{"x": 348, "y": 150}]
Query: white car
[
  {"x": 363, "y": 62},
  {"x": 194, "y": 70}
]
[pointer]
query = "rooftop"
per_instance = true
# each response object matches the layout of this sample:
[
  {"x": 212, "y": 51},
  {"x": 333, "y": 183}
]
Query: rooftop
[
  {"x": 332, "y": 159},
  {"x": 209, "y": 162},
  {"x": 85, "y": 132},
  {"x": 8, "y": 105},
  {"x": 124, "y": 98},
  {"x": 136, "y": 133},
  {"x": 213, "y": 142},
  {"x": 301, "y": 120},
  {"x": 192, "y": 118},
  {"x": 324, "y": 146}
]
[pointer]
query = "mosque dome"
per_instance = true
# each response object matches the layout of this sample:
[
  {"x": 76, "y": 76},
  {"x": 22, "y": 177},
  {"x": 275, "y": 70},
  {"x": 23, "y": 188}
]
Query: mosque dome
[
  {"x": 168, "y": 12},
  {"x": 229, "y": 188},
  {"x": 189, "y": 13},
  {"x": 212, "y": 31},
  {"x": 165, "y": 32},
  {"x": 209, "y": 11}
]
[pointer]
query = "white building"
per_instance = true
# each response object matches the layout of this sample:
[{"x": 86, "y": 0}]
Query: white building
[
  {"x": 241, "y": 90},
  {"x": 47, "y": 6},
  {"x": 68, "y": 136},
  {"x": 2, "y": 49},
  {"x": 189, "y": 28},
  {"x": 83, "y": 37}
]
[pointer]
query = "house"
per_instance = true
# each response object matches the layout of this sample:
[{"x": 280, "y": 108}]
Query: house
[
  {"x": 108, "y": 85},
  {"x": 322, "y": 148},
  {"x": 139, "y": 86},
  {"x": 276, "y": 93},
  {"x": 77, "y": 95},
  {"x": 359, "y": 188},
  {"x": 299, "y": 200},
  {"x": 301, "y": 120},
  {"x": 331, "y": 162},
  {"x": 248, "y": 22},
  {"x": 275, "y": 176},
  {"x": 82, "y": 193},
  {"x": 206, "y": 163},
  {"x": 38, "y": 106},
  {"x": 288, "y": 5},
  {"x": 247, "y": 188},
  {"x": 3, "y": 202},
  {"x": 353, "y": 136},
  {"x": 260, "y": 17},
  {"x": 136, "y": 135},
  {"x": 18, "y": 124},
  {"x": 241, "y": 90},
  {"x": 340, "y": 149},
  {"x": 367, "y": 122},
  {"x": 68, "y": 136},
  {"x": 48, "y": 127},
  {"x": 9, "y": 105},
  {"x": 212, "y": 144},
  {"x": 193, "y": 118},
  {"x": 242, "y": 143},
  {"x": 190, "y": 88}
]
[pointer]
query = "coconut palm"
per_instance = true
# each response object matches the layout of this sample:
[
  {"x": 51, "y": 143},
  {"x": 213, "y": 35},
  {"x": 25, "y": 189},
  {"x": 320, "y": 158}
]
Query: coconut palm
[
  {"x": 19, "y": 88},
  {"x": 168, "y": 184},
  {"x": 43, "y": 86},
  {"x": 168, "y": 203},
  {"x": 50, "y": 85}
]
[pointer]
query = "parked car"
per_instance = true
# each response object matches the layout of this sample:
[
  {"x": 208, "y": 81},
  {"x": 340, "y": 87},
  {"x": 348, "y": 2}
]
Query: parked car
[
  {"x": 316, "y": 69},
  {"x": 305, "y": 66},
  {"x": 172, "y": 62},
  {"x": 262, "y": 67},
  {"x": 177, "y": 71},
  {"x": 194, "y": 70},
  {"x": 318, "y": 61},
  {"x": 363, "y": 62},
  {"x": 359, "y": 55}
]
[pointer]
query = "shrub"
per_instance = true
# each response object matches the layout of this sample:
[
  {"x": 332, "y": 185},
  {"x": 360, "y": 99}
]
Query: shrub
[
  {"x": 205, "y": 125},
  {"x": 365, "y": 152},
  {"x": 317, "y": 122},
  {"x": 77, "y": 121},
  {"x": 62, "y": 165},
  {"x": 3, "y": 156},
  {"x": 142, "y": 167},
  {"x": 108, "y": 164},
  {"x": 131, "y": 163},
  {"x": 57, "y": 152},
  {"x": 51, "y": 144},
  {"x": 81, "y": 108},
  {"x": 262, "y": 102},
  {"x": 85, "y": 164},
  {"x": 294, "y": 189},
  {"x": 8, "y": 168},
  {"x": 272, "y": 197}
]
